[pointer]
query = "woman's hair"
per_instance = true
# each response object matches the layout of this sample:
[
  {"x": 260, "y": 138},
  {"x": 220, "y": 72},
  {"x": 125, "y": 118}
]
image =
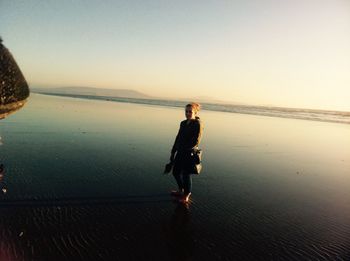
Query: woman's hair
[{"x": 195, "y": 106}]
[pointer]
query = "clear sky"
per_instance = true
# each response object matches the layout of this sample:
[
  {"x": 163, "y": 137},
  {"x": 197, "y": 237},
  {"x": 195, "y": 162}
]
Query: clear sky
[{"x": 291, "y": 53}]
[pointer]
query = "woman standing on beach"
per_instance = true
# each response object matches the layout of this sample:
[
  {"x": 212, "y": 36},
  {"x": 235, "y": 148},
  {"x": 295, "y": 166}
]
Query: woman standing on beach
[{"x": 187, "y": 139}]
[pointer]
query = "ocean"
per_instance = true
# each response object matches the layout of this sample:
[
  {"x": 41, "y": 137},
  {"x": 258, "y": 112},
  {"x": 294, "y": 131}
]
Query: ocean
[
  {"x": 292, "y": 113},
  {"x": 83, "y": 180}
]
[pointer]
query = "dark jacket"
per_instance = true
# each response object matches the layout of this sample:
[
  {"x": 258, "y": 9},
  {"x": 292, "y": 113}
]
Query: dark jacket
[{"x": 188, "y": 138}]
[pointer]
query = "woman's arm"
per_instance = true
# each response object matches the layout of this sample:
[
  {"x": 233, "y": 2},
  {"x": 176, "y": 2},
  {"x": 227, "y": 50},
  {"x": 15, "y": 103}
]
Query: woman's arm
[
  {"x": 197, "y": 135},
  {"x": 176, "y": 143}
]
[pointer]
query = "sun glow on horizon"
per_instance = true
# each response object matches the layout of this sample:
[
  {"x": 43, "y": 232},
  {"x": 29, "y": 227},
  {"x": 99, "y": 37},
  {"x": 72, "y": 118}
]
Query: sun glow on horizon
[{"x": 289, "y": 54}]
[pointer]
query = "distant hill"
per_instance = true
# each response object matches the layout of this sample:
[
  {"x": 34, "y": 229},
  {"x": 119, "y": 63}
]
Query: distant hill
[
  {"x": 121, "y": 93},
  {"x": 125, "y": 93}
]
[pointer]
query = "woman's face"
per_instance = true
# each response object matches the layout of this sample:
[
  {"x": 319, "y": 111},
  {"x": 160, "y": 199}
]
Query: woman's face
[{"x": 190, "y": 114}]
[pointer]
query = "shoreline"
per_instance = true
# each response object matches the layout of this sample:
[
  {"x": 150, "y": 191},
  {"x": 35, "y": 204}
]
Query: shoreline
[{"x": 276, "y": 112}]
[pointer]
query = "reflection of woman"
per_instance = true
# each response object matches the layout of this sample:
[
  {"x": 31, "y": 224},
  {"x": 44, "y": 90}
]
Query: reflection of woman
[
  {"x": 187, "y": 139},
  {"x": 179, "y": 234}
]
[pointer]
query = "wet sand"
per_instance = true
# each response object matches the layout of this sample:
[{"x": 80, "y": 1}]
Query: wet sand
[{"x": 83, "y": 182}]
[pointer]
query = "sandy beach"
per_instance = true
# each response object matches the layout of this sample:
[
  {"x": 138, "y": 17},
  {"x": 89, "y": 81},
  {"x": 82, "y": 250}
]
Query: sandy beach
[{"x": 83, "y": 181}]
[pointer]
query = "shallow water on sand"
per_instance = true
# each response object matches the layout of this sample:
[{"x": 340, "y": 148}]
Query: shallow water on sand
[{"x": 84, "y": 181}]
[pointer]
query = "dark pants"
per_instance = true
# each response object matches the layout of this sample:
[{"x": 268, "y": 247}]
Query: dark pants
[
  {"x": 182, "y": 171},
  {"x": 184, "y": 181}
]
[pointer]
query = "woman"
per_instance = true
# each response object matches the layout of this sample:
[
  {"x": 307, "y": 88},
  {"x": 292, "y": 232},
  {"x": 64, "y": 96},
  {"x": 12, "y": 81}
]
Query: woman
[{"x": 187, "y": 139}]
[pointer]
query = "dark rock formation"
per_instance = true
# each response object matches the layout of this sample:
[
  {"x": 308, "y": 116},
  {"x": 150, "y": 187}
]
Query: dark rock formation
[{"x": 14, "y": 89}]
